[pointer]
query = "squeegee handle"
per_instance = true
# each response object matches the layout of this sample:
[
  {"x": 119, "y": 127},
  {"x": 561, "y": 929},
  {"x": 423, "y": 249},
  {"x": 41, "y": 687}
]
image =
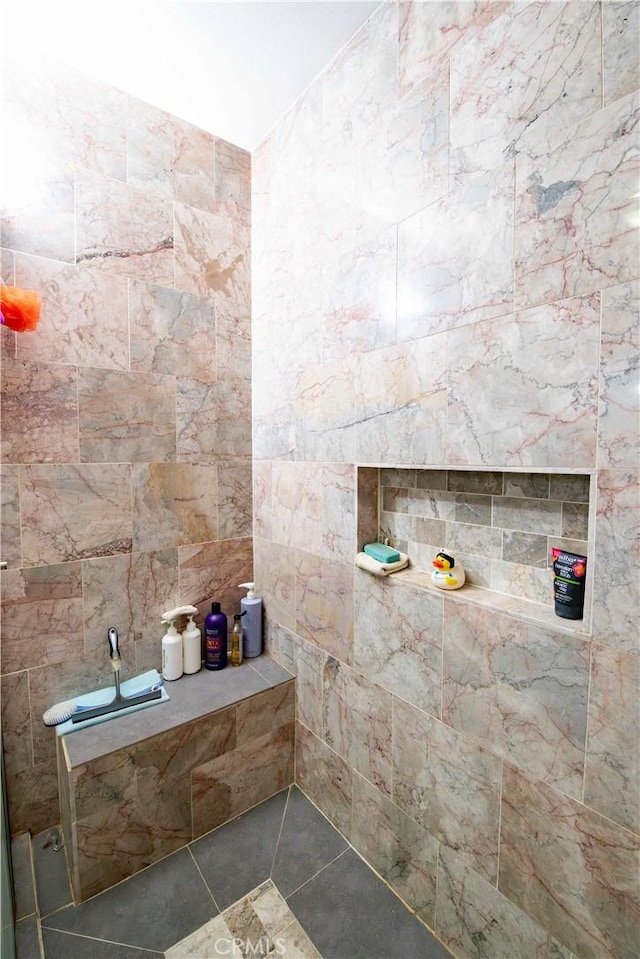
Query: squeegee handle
[{"x": 114, "y": 652}]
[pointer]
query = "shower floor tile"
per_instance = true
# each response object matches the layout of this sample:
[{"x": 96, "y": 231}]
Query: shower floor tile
[{"x": 277, "y": 881}]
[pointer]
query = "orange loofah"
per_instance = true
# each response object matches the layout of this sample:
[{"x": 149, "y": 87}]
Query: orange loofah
[{"x": 20, "y": 308}]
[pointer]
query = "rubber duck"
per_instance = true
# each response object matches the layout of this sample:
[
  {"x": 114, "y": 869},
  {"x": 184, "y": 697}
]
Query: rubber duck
[{"x": 447, "y": 574}]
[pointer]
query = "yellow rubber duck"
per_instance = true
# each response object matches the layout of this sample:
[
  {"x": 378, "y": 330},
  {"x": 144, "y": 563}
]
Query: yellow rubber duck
[{"x": 447, "y": 574}]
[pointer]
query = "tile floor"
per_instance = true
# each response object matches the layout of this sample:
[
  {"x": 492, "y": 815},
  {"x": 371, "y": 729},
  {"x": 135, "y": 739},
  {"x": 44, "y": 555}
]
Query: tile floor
[{"x": 278, "y": 880}]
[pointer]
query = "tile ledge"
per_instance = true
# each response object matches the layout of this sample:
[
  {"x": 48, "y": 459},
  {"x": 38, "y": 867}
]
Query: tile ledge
[
  {"x": 190, "y": 698},
  {"x": 514, "y": 606}
]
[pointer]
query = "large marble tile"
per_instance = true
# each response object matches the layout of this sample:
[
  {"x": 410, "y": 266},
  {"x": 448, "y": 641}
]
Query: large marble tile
[
  {"x": 296, "y": 505},
  {"x": 174, "y": 504},
  {"x": 612, "y": 774},
  {"x": 153, "y": 773},
  {"x": 449, "y": 785},
  {"x": 309, "y": 666},
  {"x": 212, "y": 257},
  {"x": 569, "y": 868},
  {"x": 360, "y": 302},
  {"x": 620, "y": 52},
  {"x": 170, "y": 157},
  {"x": 172, "y": 332},
  {"x": 129, "y": 592},
  {"x": 619, "y": 409},
  {"x": 534, "y": 69},
  {"x": 400, "y": 850},
  {"x": 575, "y": 208},
  {"x": 522, "y": 356},
  {"x": 232, "y": 178},
  {"x": 325, "y": 778},
  {"x": 16, "y": 722},
  {"x": 455, "y": 258},
  {"x": 430, "y": 33},
  {"x": 402, "y": 402},
  {"x": 10, "y": 515},
  {"x": 75, "y": 512},
  {"x": 213, "y": 420},
  {"x": 520, "y": 690},
  {"x": 32, "y": 797},
  {"x": 235, "y": 518},
  {"x": 326, "y": 401},
  {"x": 84, "y": 318},
  {"x": 324, "y": 604},
  {"x": 41, "y": 616},
  {"x": 617, "y": 560},
  {"x": 122, "y": 229},
  {"x": 39, "y": 413},
  {"x": 126, "y": 417},
  {"x": 225, "y": 787},
  {"x": 338, "y": 511},
  {"x": 357, "y": 722},
  {"x": 265, "y": 712},
  {"x": 398, "y": 639},
  {"x": 477, "y": 922}
]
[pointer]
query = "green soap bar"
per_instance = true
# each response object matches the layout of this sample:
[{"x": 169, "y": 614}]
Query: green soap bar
[{"x": 384, "y": 554}]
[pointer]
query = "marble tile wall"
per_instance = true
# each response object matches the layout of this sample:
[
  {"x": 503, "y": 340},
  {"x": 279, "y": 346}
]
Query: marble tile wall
[
  {"x": 446, "y": 265},
  {"x": 147, "y": 800},
  {"x": 125, "y": 420}
]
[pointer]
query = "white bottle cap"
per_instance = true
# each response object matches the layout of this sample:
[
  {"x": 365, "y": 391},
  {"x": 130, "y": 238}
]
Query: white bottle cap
[{"x": 250, "y": 587}]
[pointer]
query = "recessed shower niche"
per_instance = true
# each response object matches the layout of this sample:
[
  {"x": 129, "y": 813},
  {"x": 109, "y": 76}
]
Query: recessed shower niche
[{"x": 500, "y": 525}]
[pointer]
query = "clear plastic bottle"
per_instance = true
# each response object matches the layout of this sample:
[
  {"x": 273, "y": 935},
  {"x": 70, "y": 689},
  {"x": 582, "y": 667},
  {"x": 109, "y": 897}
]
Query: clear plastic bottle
[{"x": 236, "y": 639}]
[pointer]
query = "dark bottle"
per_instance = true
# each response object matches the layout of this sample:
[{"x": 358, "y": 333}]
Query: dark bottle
[{"x": 215, "y": 639}]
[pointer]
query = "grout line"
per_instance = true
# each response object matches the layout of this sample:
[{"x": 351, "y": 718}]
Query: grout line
[
  {"x": 115, "y": 942},
  {"x": 206, "y": 884},
  {"x": 316, "y": 874},
  {"x": 284, "y": 813}
]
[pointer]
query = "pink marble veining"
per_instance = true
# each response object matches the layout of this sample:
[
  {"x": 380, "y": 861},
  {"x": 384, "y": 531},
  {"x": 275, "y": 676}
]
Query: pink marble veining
[
  {"x": 83, "y": 319},
  {"x": 619, "y": 409},
  {"x": 576, "y": 207},
  {"x": 122, "y": 229},
  {"x": 39, "y": 413},
  {"x": 570, "y": 868},
  {"x": 526, "y": 365},
  {"x": 75, "y": 511},
  {"x": 530, "y": 71}
]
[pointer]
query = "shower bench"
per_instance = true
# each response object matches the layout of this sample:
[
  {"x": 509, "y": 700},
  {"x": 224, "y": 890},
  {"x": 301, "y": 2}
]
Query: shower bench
[{"x": 137, "y": 787}]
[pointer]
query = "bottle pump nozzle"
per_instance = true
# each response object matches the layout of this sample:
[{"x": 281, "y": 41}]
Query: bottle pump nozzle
[
  {"x": 173, "y": 614},
  {"x": 250, "y": 587}
]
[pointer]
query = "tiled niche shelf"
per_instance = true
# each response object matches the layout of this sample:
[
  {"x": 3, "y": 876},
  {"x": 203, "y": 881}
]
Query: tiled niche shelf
[{"x": 501, "y": 525}]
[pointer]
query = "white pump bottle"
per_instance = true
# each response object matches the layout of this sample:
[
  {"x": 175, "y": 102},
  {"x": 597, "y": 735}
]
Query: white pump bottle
[
  {"x": 171, "y": 647},
  {"x": 191, "y": 643},
  {"x": 181, "y": 652}
]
